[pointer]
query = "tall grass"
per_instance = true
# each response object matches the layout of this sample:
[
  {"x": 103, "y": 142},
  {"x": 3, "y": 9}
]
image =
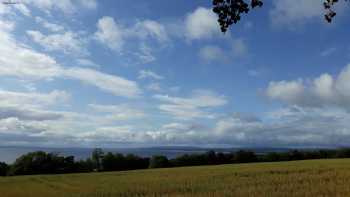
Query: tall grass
[{"x": 298, "y": 178}]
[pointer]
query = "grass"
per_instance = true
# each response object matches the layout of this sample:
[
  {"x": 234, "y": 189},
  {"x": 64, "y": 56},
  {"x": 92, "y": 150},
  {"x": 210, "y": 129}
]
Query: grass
[{"x": 297, "y": 178}]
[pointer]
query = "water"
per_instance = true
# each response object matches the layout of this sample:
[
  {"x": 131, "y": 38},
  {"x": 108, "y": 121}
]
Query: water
[{"x": 9, "y": 154}]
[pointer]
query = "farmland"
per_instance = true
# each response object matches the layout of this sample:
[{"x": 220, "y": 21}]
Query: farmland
[{"x": 294, "y": 178}]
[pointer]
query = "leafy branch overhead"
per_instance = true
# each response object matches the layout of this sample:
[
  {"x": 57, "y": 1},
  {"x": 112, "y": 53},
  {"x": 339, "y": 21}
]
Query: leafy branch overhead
[{"x": 230, "y": 11}]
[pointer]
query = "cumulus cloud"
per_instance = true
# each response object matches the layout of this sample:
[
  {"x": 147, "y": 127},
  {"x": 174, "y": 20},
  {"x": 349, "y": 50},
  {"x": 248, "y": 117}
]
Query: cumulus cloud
[
  {"x": 202, "y": 23},
  {"x": 196, "y": 106},
  {"x": 285, "y": 90},
  {"x": 289, "y": 127},
  {"x": 109, "y": 33},
  {"x": 323, "y": 91},
  {"x": 114, "y": 35}
]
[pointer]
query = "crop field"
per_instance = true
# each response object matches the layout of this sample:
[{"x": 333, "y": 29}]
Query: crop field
[{"x": 296, "y": 178}]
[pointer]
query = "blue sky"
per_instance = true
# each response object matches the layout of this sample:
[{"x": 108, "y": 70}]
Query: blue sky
[{"x": 106, "y": 73}]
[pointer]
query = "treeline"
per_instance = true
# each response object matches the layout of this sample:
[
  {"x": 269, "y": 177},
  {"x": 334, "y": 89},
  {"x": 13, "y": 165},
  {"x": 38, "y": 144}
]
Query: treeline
[{"x": 52, "y": 163}]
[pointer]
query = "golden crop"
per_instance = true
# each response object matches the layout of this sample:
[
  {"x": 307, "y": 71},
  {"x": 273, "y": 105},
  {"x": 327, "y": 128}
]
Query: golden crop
[{"x": 296, "y": 178}]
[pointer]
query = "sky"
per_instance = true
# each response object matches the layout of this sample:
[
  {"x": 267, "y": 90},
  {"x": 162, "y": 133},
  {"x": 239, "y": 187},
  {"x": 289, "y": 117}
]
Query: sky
[{"x": 88, "y": 73}]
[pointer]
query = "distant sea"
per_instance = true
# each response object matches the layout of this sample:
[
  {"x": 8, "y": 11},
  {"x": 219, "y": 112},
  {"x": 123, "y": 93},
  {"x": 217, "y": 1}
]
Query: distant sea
[{"x": 10, "y": 154}]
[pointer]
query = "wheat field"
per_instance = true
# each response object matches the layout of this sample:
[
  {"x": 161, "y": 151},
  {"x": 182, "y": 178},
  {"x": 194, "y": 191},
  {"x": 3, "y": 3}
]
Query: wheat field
[{"x": 296, "y": 178}]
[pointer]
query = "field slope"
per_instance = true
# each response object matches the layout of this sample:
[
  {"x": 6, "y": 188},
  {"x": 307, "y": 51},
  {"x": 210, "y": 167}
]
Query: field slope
[{"x": 299, "y": 178}]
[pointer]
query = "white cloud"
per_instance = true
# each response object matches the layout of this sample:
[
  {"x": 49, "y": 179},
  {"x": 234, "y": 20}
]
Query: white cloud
[
  {"x": 328, "y": 52},
  {"x": 149, "y": 28},
  {"x": 285, "y": 90},
  {"x": 325, "y": 91},
  {"x": 253, "y": 73},
  {"x": 145, "y": 54},
  {"x": 87, "y": 62},
  {"x": 323, "y": 86},
  {"x": 21, "y": 61},
  {"x": 8, "y": 98},
  {"x": 27, "y": 114},
  {"x": 6, "y": 26},
  {"x": 109, "y": 83},
  {"x": 342, "y": 84},
  {"x": 291, "y": 12},
  {"x": 212, "y": 53},
  {"x": 196, "y": 106},
  {"x": 18, "y": 60},
  {"x": 50, "y": 26},
  {"x": 118, "y": 112},
  {"x": 23, "y": 9},
  {"x": 154, "y": 87},
  {"x": 288, "y": 127},
  {"x": 144, "y": 74},
  {"x": 14, "y": 126},
  {"x": 237, "y": 49},
  {"x": 116, "y": 135},
  {"x": 114, "y": 35},
  {"x": 30, "y": 105},
  {"x": 66, "y": 6},
  {"x": 90, "y": 4},
  {"x": 200, "y": 24},
  {"x": 68, "y": 42},
  {"x": 110, "y": 33},
  {"x": 6, "y": 10}
]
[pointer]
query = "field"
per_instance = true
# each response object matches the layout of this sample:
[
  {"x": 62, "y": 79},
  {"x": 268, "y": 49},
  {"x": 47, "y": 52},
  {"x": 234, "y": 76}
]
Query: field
[{"x": 299, "y": 178}]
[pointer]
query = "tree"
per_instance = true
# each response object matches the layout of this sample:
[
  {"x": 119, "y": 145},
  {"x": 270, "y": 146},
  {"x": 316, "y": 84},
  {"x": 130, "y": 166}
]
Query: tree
[
  {"x": 243, "y": 156},
  {"x": 84, "y": 165},
  {"x": 96, "y": 156},
  {"x": 3, "y": 169},
  {"x": 230, "y": 11},
  {"x": 159, "y": 161},
  {"x": 42, "y": 163}
]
